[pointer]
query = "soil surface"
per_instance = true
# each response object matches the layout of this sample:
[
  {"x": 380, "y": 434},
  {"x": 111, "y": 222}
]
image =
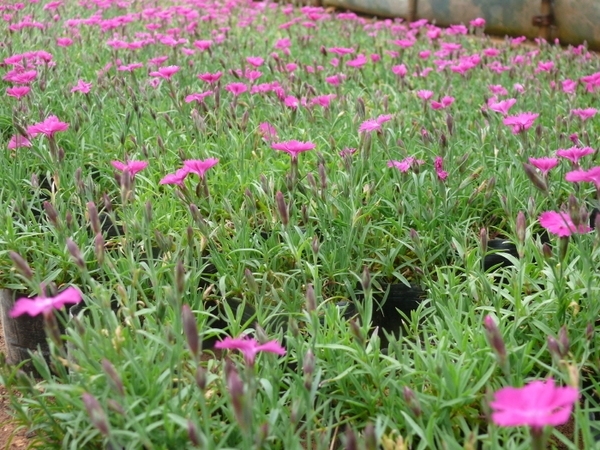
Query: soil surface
[{"x": 9, "y": 439}]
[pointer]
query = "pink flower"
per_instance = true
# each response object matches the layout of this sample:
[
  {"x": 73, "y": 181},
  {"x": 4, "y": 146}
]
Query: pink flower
[
  {"x": 64, "y": 42},
  {"x": 165, "y": 72},
  {"x": 439, "y": 169},
  {"x": 48, "y": 127},
  {"x": 203, "y": 45},
  {"x": 536, "y": 405},
  {"x": 291, "y": 102},
  {"x": 19, "y": 77},
  {"x": 347, "y": 152},
  {"x": 400, "y": 70},
  {"x": 293, "y": 147},
  {"x": 255, "y": 61},
  {"x": 405, "y": 165},
  {"x": 210, "y": 78},
  {"x": 544, "y": 164},
  {"x": 335, "y": 80},
  {"x": 45, "y": 305},
  {"x": 584, "y": 114},
  {"x": 132, "y": 167},
  {"x": 341, "y": 50},
  {"x": 357, "y": 62},
  {"x": 497, "y": 89},
  {"x": 250, "y": 347},
  {"x": 18, "y": 141},
  {"x": 18, "y": 91},
  {"x": 199, "y": 166},
  {"x": 503, "y": 106},
  {"x": 374, "y": 124},
  {"x": 560, "y": 223},
  {"x": 323, "y": 100},
  {"x": 82, "y": 87},
  {"x": 267, "y": 131},
  {"x": 197, "y": 96},
  {"x": 477, "y": 23},
  {"x": 236, "y": 88},
  {"x": 424, "y": 94},
  {"x": 574, "y": 154},
  {"x": 589, "y": 176},
  {"x": 521, "y": 122},
  {"x": 568, "y": 86},
  {"x": 444, "y": 103},
  {"x": 176, "y": 178}
]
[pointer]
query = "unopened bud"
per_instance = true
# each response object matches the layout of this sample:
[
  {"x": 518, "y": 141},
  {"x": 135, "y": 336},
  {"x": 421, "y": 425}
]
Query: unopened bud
[
  {"x": 193, "y": 434},
  {"x": 235, "y": 386},
  {"x": 114, "y": 377},
  {"x": 51, "y": 213},
  {"x": 563, "y": 246},
  {"x": 99, "y": 248},
  {"x": 351, "y": 443},
  {"x": 495, "y": 339},
  {"x": 75, "y": 253},
  {"x": 251, "y": 281},
  {"x": 323, "y": 177},
  {"x": 201, "y": 380},
  {"x": 308, "y": 367},
  {"x": 356, "y": 331},
  {"x": 96, "y": 413},
  {"x": 21, "y": 265},
  {"x": 311, "y": 302},
  {"x": 535, "y": 178},
  {"x": 521, "y": 227},
  {"x": 282, "y": 208},
  {"x": 563, "y": 340},
  {"x": 315, "y": 245},
  {"x": 148, "y": 212},
  {"x": 589, "y": 331},
  {"x": 190, "y": 329},
  {"x": 365, "y": 280},
  {"x": 546, "y": 250},
  {"x": 94, "y": 218},
  {"x": 370, "y": 437},
  {"x": 574, "y": 213},
  {"x": 483, "y": 240},
  {"x": 179, "y": 277},
  {"x": 412, "y": 401}
]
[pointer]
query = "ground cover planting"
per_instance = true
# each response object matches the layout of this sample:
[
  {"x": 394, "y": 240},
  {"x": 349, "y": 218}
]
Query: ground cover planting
[{"x": 258, "y": 225}]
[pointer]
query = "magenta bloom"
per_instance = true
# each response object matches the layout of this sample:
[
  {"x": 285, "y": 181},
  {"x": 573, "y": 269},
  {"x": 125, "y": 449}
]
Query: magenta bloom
[
  {"x": 405, "y": 165},
  {"x": 341, "y": 50},
  {"x": 293, "y": 147},
  {"x": 590, "y": 176},
  {"x": 48, "y": 127},
  {"x": 255, "y": 61},
  {"x": 357, "y": 62},
  {"x": 584, "y": 114},
  {"x": 574, "y": 154},
  {"x": 45, "y": 305},
  {"x": 82, "y": 87},
  {"x": 520, "y": 122},
  {"x": 165, "y": 72},
  {"x": 176, "y": 178},
  {"x": 267, "y": 131},
  {"x": 502, "y": 106},
  {"x": 210, "y": 78},
  {"x": 197, "y": 97},
  {"x": 374, "y": 124},
  {"x": 199, "y": 166},
  {"x": 400, "y": 70},
  {"x": 439, "y": 168},
  {"x": 560, "y": 223},
  {"x": 424, "y": 94},
  {"x": 18, "y": 141},
  {"x": 443, "y": 103},
  {"x": 250, "y": 347},
  {"x": 536, "y": 405},
  {"x": 18, "y": 91},
  {"x": 236, "y": 88},
  {"x": 478, "y": 22},
  {"x": 544, "y": 164},
  {"x": 132, "y": 167}
]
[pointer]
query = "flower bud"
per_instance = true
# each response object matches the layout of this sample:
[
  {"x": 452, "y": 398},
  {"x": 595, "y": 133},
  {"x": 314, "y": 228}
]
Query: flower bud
[
  {"x": 365, "y": 280},
  {"x": 412, "y": 401},
  {"x": 75, "y": 253},
  {"x": 495, "y": 339},
  {"x": 96, "y": 413},
  {"x": 179, "y": 277},
  {"x": 351, "y": 443},
  {"x": 94, "y": 218},
  {"x": 521, "y": 227},
  {"x": 190, "y": 329},
  {"x": 148, "y": 212},
  {"x": 546, "y": 250},
  {"x": 114, "y": 377},
  {"x": 483, "y": 239},
  {"x": 574, "y": 212},
  {"x": 535, "y": 178},
  {"x": 251, "y": 281},
  {"x": 370, "y": 437},
  {"x": 308, "y": 367},
  {"x": 311, "y": 302},
  {"x": 201, "y": 380},
  {"x": 235, "y": 386},
  {"x": 315, "y": 245},
  {"x": 21, "y": 265},
  {"x": 282, "y": 208},
  {"x": 51, "y": 213},
  {"x": 193, "y": 434}
]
